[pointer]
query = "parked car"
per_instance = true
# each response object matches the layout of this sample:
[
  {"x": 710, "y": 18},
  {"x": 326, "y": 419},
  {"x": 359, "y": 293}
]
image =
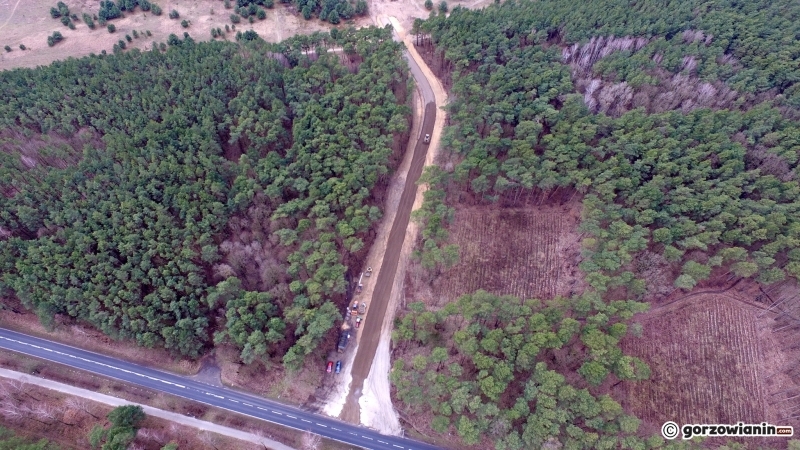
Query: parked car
[
  {"x": 338, "y": 366},
  {"x": 427, "y": 138},
  {"x": 358, "y": 321},
  {"x": 330, "y": 366}
]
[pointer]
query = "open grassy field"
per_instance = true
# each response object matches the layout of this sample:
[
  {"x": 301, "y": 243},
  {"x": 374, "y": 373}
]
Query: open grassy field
[
  {"x": 527, "y": 253},
  {"x": 707, "y": 364},
  {"x": 29, "y": 23}
]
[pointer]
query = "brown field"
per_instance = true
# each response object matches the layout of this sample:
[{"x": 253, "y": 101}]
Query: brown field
[
  {"x": 28, "y": 22},
  {"x": 527, "y": 253},
  {"x": 706, "y": 361}
]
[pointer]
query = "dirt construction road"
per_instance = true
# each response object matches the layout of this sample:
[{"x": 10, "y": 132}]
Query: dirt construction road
[{"x": 371, "y": 333}]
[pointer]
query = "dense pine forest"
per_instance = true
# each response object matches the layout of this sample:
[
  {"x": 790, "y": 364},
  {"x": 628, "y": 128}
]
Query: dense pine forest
[
  {"x": 675, "y": 123},
  {"x": 214, "y": 191}
]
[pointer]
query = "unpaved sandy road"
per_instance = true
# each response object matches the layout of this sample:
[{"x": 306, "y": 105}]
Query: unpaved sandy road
[{"x": 369, "y": 400}]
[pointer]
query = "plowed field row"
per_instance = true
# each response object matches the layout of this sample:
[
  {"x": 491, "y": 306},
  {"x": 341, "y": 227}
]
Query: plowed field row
[
  {"x": 507, "y": 252},
  {"x": 704, "y": 361}
]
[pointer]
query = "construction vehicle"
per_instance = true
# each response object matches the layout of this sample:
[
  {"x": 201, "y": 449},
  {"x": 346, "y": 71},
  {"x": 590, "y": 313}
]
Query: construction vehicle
[
  {"x": 360, "y": 286},
  {"x": 344, "y": 337}
]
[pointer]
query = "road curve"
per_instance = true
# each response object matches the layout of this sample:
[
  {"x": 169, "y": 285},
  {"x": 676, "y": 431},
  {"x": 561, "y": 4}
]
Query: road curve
[{"x": 237, "y": 402}]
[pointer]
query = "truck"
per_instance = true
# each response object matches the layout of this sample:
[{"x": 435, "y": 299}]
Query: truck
[{"x": 344, "y": 338}]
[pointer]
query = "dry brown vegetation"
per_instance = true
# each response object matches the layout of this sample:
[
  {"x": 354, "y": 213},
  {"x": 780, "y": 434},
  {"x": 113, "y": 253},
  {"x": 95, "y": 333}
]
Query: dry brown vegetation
[
  {"x": 720, "y": 356},
  {"x": 187, "y": 437},
  {"x": 705, "y": 358},
  {"x": 530, "y": 252},
  {"x": 38, "y": 412}
]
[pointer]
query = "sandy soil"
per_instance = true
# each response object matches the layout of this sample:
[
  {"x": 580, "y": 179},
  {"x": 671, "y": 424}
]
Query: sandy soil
[
  {"x": 375, "y": 402},
  {"x": 30, "y": 24},
  {"x": 339, "y": 388}
]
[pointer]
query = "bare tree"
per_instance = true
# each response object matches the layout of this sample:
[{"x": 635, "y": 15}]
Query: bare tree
[
  {"x": 209, "y": 439},
  {"x": 310, "y": 441},
  {"x": 11, "y": 412},
  {"x": 45, "y": 413},
  {"x": 80, "y": 404},
  {"x": 150, "y": 434}
]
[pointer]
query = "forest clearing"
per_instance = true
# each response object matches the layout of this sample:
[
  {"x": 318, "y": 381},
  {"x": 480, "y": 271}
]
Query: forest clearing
[
  {"x": 706, "y": 363},
  {"x": 519, "y": 252}
]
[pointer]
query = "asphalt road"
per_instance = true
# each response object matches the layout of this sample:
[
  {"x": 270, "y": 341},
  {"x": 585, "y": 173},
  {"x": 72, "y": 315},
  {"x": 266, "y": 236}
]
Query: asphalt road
[{"x": 215, "y": 396}]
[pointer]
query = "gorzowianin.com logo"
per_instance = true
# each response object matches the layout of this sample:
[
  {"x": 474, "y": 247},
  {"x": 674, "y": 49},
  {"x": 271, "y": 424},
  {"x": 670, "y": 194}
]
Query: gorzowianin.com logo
[{"x": 671, "y": 430}]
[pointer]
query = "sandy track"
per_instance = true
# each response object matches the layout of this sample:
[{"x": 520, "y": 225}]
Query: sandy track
[{"x": 369, "y": 400}]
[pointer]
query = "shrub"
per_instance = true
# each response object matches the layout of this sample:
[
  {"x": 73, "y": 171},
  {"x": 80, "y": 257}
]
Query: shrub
[
  {"x": 443, "y": 7},
  {"x": 261, "y": 14},
  {"x": 8, "y": 48},
  {"x": 269, "y": 4},
  {"x": 155, "y": 9},
  {"x": 361, "y": 7},
  {"x": 88, "y": 20},
  {"x": 128, "y": 38},
  {"x": 54, "y": 39},
  {"x": 122, "y": 44},
  {"x": 111, "y": 28},
  {"x": 135, "y": 34},
  {"x": 22, "y": 47},
  {"x": 55, "y": 13},
  {"x": 185, "y": 23},
  {"x": 65, "y": 20},
  {"x": 109, "y": 10},
  {"x": 148, "y": 33},
  {"x": 145, "y": 5},
  {"x": 174, "y": 14},
  {"x": 235, "y": 18},
  {"x": 428, "y": 5}
]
